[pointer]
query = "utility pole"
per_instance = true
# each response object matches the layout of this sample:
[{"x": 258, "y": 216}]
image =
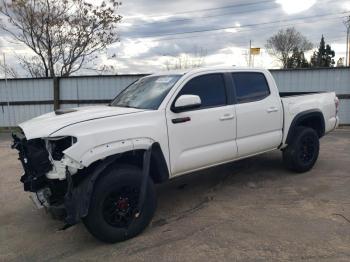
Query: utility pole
[
  {"x": 7, "y": 91},
  {"x": 347, "y": 25},
  {"x": 250, "y": 53}
]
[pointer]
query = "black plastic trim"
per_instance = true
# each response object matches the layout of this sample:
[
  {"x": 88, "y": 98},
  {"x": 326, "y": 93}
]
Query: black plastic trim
[
  {"x": 301, "y": 117},
  {"x": 180, "y": 120},
  {"x": 159, "y": 159},
  {"x": 230, "y": 90}
]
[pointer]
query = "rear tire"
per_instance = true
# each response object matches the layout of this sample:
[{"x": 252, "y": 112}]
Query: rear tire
[
  {"x": 302, "y": 152},
  {"x": 111, "y": 216}
]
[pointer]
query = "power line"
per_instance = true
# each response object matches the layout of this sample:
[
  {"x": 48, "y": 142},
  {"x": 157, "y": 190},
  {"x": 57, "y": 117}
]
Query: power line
[
  {"x": 214, "y": 8},
  {"x": 207, "y": 16},
  {"x": 243, "y": 26},
  {"x": 236, "y": 44},
  {"x": 227, "y": 6},
  {"x": 217, "y": 15},
  {"x": 250, "y": 29},
  {"x": 247, "y": 25}
]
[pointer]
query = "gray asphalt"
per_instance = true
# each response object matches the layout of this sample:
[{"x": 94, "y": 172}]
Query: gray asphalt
[{"x": 251, "y": 210}]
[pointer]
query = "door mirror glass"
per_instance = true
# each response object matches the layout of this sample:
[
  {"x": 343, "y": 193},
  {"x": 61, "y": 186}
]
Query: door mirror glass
[{"x": 187, "y": 102}]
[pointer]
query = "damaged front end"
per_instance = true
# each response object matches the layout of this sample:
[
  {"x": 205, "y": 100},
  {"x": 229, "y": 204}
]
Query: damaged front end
[
  {"x": 35, "y": 161},
  {"x": 48, "y": 172}
]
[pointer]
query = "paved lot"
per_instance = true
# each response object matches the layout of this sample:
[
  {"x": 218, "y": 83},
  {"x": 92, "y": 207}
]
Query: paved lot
[{"x": 251, "y": 210}]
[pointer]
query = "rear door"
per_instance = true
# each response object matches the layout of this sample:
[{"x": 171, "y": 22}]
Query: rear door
[
  {"x": 207, "y": 137},
  {"x": 259, "y": 113}
]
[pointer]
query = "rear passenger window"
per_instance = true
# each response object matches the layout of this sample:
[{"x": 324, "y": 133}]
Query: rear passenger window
[
  {"x": 250, "y": 86},
  {"x": 210, "y": 88}
]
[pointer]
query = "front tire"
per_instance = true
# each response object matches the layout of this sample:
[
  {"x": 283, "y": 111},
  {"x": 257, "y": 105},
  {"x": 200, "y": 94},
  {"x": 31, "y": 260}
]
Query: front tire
[
  {"x": 111, "y": 216},
  {"x": 301, "y": 154}
]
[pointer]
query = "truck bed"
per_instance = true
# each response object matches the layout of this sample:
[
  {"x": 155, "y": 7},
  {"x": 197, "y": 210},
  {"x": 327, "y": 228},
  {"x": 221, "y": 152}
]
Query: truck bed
[{"x": 295, "y": 103}]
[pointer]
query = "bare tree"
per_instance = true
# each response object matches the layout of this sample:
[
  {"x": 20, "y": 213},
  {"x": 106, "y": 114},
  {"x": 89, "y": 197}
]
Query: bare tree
[
  {"x": 33, "y": 66},
  {"x": 63, "y": 35},
  {"x": 282, "y": 44},
  {"x": 186, "y": 61},
  {"x": 7, "y": 70},
  {"x": 102, "y": 69}
]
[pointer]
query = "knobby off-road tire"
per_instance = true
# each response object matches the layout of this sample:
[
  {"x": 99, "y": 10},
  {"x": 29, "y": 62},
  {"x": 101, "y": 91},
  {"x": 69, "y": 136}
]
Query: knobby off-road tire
[
  {"x": 111, "y": 215},
  {"x": 302, "y": 152}
]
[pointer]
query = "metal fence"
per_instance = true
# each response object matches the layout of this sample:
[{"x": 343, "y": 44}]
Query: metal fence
[
  {"x": 324, "y": 79},
  {"x": 22, "y": 99}
]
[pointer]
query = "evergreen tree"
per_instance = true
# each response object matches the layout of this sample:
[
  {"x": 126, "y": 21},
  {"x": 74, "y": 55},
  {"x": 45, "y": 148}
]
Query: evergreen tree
[
  {"x": 297, "y": 60},
  {"x": 324, "y": 56},
  {"x": 340, "y": 62}
]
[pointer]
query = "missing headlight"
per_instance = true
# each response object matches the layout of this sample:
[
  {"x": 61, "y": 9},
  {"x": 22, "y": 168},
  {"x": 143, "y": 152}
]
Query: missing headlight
[
  {"x": 35, "y": 161},
  {"x": 58, "y": 144}
]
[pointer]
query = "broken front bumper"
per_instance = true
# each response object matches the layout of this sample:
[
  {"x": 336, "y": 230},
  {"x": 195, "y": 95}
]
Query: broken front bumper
[
  {"x": 35, "y": 161},
  {"x": 71, "y": 195},
  {"x": 41, "y": 198}
]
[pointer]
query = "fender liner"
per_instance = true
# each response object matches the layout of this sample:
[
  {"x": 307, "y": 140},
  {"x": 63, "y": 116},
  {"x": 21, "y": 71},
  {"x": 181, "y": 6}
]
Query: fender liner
[
  {"x": 159, "y": 168},
  {"x": 299, "y": 118},
  {"x": 77, "y": 199}
]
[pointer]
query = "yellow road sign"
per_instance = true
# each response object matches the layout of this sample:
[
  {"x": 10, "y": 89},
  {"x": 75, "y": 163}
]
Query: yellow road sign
[{"x": 255, "y": 50}]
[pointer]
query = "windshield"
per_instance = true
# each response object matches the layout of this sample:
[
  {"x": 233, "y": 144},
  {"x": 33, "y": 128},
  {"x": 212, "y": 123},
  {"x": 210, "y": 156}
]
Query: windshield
[{"x": 146, "y": 93}]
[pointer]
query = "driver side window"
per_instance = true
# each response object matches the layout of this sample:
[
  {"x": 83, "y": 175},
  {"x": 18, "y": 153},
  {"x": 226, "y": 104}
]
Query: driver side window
[{"x": 210, "y": 88}]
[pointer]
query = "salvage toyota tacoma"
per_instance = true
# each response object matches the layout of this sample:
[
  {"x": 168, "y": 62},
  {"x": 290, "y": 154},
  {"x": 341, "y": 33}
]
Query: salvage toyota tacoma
[{"x": 99, "y": 164}]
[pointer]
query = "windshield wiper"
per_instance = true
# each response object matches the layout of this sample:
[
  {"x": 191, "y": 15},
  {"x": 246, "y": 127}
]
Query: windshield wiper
[{"x": 127, "y": 106}]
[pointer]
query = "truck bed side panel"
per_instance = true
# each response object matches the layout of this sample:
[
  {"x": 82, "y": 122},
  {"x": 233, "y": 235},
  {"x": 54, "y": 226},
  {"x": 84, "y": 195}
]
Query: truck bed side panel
[{"x": 322, "y": 102}]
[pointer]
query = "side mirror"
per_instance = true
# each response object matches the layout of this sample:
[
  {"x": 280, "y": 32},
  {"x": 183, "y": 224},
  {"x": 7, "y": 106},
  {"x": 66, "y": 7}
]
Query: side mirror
[{"x": 186, "y": 102}]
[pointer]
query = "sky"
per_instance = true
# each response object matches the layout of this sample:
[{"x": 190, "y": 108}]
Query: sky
[{"x": 155, "y": 33}]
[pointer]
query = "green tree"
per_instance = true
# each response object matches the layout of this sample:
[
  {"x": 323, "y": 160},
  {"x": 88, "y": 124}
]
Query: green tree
[
  {"x": 324, "y": 56},
  {"x": 297, "y": 60}
]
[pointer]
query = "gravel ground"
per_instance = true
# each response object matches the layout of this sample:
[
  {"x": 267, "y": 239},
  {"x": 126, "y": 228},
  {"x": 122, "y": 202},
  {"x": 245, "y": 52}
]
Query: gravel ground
[{"x": 251, "y": 210}]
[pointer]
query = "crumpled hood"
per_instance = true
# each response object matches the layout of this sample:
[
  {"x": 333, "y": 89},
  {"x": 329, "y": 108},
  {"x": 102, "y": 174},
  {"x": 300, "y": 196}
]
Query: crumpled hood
[{"x": 45, "y": 125}]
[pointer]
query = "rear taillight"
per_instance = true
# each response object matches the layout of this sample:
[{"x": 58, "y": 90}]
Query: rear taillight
[{"x": 336, "y": 102}]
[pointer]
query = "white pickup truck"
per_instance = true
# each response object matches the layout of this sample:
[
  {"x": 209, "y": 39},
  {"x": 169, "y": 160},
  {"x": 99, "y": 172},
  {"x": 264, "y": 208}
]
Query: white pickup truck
[{"x": 100, "y": 163}]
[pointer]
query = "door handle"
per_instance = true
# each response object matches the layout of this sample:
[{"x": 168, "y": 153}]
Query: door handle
[
  {"x": 272, "y": 109},
  {"x": 226, "y": 117},
  {"x": 180, "y": 120}
]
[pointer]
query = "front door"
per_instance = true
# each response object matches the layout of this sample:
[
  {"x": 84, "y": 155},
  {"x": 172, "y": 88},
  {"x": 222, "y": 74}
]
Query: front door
[{"x": 206, "y": 135}]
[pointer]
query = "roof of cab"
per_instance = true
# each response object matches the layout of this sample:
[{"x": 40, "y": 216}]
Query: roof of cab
[{"x": 205, "y": 69}]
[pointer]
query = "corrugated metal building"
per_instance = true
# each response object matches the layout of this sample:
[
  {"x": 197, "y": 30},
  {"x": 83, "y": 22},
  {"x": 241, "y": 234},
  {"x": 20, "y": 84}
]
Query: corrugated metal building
[{"x": 32, "y": 97}]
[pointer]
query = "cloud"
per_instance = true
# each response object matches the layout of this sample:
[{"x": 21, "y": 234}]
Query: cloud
[
  {"x": 295, "y": 6},
  {"x": 151, "y": 31},
  {"x": 346, "y": 6}
]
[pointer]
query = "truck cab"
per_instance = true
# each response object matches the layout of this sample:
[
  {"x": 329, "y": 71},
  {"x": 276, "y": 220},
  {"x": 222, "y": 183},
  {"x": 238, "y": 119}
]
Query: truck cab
[{"x": 240, "y": 115}]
